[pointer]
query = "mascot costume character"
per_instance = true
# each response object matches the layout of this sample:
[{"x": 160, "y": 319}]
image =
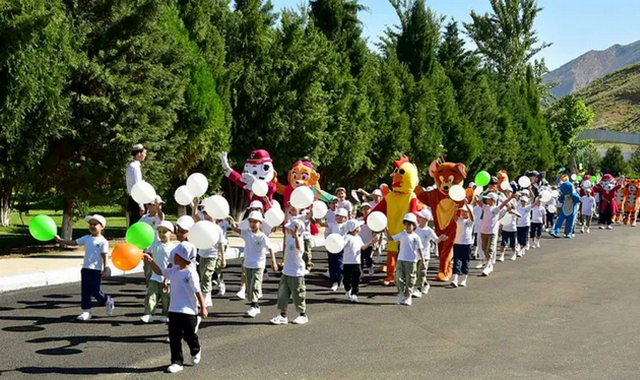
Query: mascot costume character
[
  {"x": 395, "y": 205},
  {"x": 302, "y": 173},
  {"x": 258, "y": 166},
  {"x": 607, "y": 189},
  {"x": 631, "y": 201},
  {"x": 620, "y": 201},
  {"x": 445, "y": 174},
  {"x": 569, "y": 200}
]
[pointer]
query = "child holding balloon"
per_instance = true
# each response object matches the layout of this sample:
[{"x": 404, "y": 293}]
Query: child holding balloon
[
  {"x": 94, "y": 266},
  {"x": 538, "y": 215},
  {"x": 411, "y": 250},
  {"x": 335, "y": 259},
  {"x": 353, "y": 248},
  {"x": 427, "y": 236},
  {"x": 158, "y": 287}
]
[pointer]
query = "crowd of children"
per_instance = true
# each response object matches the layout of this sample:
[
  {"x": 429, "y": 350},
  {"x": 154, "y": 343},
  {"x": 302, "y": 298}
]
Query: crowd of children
[{"x": 181, "y": 278}]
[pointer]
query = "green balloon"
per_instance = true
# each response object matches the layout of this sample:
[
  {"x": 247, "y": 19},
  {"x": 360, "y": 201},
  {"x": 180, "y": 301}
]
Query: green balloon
[
  {"x": 141, "y": 235},
  {"x": 43, "y": 228},
  {"x": 483, "y": 178},
  {"x": 579, "y": 178},
  {"x": 593, "y": 179}
]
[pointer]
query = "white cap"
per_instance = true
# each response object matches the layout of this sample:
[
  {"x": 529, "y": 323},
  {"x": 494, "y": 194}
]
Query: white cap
[
  {"x": 185, "y": 222},
  {"x": 255, "y": 215},
  {"x": 185, "y": 250},
  {"x": 156, "y": 199},
  {"x": 524, "y": 198},
  {"x": 98, "y": 218},
  {"x": 491, "y": 196},
  {"x": 353, "y": 224},
  {"x": 342, "y": 212},
  {"x": 166, "y": 224},
  {"x": 471, "y": 185},
  {"x": 410, "y": 217},
  {"x": 365, "y": 204},
  {"x": 293, "y": 223},
  {"x": 377, "y": 192},
  {"x": 256, "y": 204},
  {"x": 425, "y": 213}
]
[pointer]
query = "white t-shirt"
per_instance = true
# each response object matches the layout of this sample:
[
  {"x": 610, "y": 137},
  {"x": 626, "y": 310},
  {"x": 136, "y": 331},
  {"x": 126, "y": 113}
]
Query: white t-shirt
[
  {"x": 335, "y": 228},
  {"x": 352, "y": 249},
  {"x": 185, "y": 283},
  {"x": 537, "y": 214},
  {"x": 347, "y": 206},
  {"x": 477, "y": 215},
  {"x": 153, "y": 221},
  {"x": 588, "y": 204},
  {"x": 162, "y": 256},
  {"x": 256, "y": 247},
  {"x": 409, "y": 246},
  {"x": 511, "y": 227},
  {"x": 490, "y": 217},
  {"x": 306, "y": 222},
  {"x": 293, "y": 263},
  {"x": 134, "y": 175},
  {"x": 215, "y": 251},
  {"x": 525, "y": 215},
  {"x": 365, "y": 232},
  {"x": 94, "y": 247},
  {"x": 464, "y": 231},
  {"x": 427, "y": 235}
]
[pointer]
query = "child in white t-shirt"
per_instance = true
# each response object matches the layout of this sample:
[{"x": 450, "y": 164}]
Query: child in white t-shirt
[
  {"x": 477, "y": 240},
  {"x": 509, "y": 231},
  {"x": 335, "y": 259},
  {"x": 427, "y": 236},
  {"x": 153, "y": 217},
  {"x": 489, "y": 228},
  {"x": 256, "y": 246},
  {"x": 212, "y": 261},
  {"x": 538, "y": 215},
  {"x": 185, "y": 298},
  {"x": 410, "y": 251},
  {"x": 94, "y": 266},
  {"x": 367, "y": 235},
  {"x": 588, "y": 208},
  {"x": 353, "y": 247},
  {"x": 158, "y": 288},
  {"x": 343, "y": 202},
  {"x": 524, "y": 223},
  {"x": 462, "y": 245}
]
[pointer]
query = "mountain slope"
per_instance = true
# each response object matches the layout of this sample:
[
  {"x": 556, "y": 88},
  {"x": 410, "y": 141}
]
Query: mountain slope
[
  {"x": 615, "y": 100},
  {"x": 592, "y": 65}
]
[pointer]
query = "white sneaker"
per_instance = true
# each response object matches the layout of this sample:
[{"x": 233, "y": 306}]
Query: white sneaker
[
  {"x": 538, "y": 243},
  {"x": 601, "y": 227},
  {"x": 341, "y": 286},
  {"x": 480, "y": 265},
  {"x": 609, "y": 227},
  {"x": 147, "y": 318},
  {"x": 587, "y": 232},
  {"x": 85, "y": 316},
  {"x": 501, "y": 258},
  {"x": 195, "y": 360},
  {"x": 520, "y": 253},
  {"x": 175, "y": 368},
  {"x": 417, "y": 293},
  {"x": 111, "y": 305},
  {"x": 300, "y": 320},
  {"x": 241, "y": 293},
  {"x": 306, "y": 272},
  {"x": 425, "y": 289},
  {"x": 198, "y": 320},
  {"x": 582, "y": 230},
  {"x": 354, "y": 298},
  {"x": 399, "y": 300},
  {"x": 527, "y": 247},
  {"x": 279, "y": 320},
  {"x": 454, "y": 283},
  {"x": 463, "y": 284},
  {"x": 487, "y": 271},
  {"x": 207, "y": 300},
  {"x": 253, "y": 312},
  {"x": 222, "y": 289},
  {"x": 513, "y": 258},
  {"x": 348, "y": 294},
  {"x": 334, "y": 287},
  {"x": 164, "y": 319},
  {"x": 407, "y": 301}
]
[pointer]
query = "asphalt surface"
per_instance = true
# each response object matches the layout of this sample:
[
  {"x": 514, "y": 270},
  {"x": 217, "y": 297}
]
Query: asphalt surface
[{"x": 570, "y": 310}]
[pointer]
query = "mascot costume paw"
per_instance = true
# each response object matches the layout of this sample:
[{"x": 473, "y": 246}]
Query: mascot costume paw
[
  {"x": 631, "y": 201},
  {"x": 607, "y": 189},
  {"x": 569, "y": 200},
  {"x": 258, "y": 166},
  {"x": 445, "y": 174},
  {"x": 396, "y": 204}
]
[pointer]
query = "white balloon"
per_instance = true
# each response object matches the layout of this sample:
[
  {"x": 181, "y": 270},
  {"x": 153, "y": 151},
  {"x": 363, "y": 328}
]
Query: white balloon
[
  {"x": 301, "y": 197},
  {"x": 182, "y": 196},
  {"x": 276, "y": 204},
  {"x": 260, "y": 188},
  {"x": 573, "y": 177},
  {"x": 274, "y": 216},
  {"x": 478, "y": 190},
  {"x": 555, "y": 193},
  {"x": 506, "y": 219},
  {"x": 204, "y": 235},
  {"x": 457, "y": 193},
  {"x": 377, "y": 221},
  {"x": 505, "y": 186},
  {"x": 552, "y": 209},
  {"x": 334, "y": 243},
  {"x": 217, "y": 207},
  {"x": 197, "y": 184},
  {"x": 524, "y": 182},
  {"x": 143, "y": 192},
  {"x": 319, "y": 209},
  {"x": 545, "y": 196}
]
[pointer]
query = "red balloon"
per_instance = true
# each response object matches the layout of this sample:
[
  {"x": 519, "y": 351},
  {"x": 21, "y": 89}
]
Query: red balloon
[{"x": 126, "y": 256}]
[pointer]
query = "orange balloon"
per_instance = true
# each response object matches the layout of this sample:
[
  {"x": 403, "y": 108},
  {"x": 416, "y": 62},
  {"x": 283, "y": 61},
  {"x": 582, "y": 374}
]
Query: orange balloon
[{"x": 126, "y": 256}]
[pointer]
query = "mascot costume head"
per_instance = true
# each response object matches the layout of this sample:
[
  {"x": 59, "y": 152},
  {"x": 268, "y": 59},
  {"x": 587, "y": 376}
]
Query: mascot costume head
[
  {"x": 607, "y": 189},
  {"x": 258, "y": 166},
  {"x": 631, "y": 200},
  {"x": 302, "y": 173},
  {"x": 445, "y": 174}
]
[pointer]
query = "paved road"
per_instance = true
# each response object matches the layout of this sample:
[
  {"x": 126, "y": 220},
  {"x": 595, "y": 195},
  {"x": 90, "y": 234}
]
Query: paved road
[{"x": 568, "y": 311}]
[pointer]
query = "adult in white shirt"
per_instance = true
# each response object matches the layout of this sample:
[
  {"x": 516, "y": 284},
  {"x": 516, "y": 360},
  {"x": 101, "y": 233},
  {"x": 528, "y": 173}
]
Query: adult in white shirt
[{"x": 134, "y": 175}]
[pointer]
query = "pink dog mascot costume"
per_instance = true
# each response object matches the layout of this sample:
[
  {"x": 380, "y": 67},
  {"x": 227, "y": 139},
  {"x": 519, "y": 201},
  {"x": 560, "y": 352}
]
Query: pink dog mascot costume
[
  {"x": 607, "y": 188},
  {"x": 258, "y": 166}
]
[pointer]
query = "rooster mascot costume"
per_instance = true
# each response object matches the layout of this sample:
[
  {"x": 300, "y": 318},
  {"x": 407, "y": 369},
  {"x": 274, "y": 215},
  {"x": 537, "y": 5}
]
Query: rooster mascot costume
[
  {"x": 395, "y": 205},
  {"x": 258, "y": 166},
  {"x": 607, "y": 189},
  {"x": 445, "y": 174}
]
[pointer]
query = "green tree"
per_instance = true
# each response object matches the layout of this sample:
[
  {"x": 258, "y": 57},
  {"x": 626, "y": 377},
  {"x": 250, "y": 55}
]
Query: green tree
[
  {"x": 35, "y": 57},
  {"x": 613, "y": 162},
  {"x": 506, "y": 37},
  {"x": 634, "y": 162}
]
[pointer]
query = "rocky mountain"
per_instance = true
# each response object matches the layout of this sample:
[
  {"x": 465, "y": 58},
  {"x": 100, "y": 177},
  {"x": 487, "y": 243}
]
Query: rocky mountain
[{"x": 591, "y": 66}]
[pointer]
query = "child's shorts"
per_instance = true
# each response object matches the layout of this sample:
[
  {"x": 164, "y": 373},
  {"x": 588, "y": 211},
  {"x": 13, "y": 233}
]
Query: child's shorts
[{"x": 508, "y": 238}]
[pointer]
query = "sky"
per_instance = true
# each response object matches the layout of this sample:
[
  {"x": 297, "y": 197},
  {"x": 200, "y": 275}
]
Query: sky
[{"x": 573, "y": 26}]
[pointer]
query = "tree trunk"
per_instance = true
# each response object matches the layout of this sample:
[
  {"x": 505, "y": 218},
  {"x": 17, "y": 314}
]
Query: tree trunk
[
  {"x": 182, "y": 210},
  {"x": 5, "y": 207},
  {"x": 235, "y": 196},
  {"x": 67, "y": 218},
  {"x": 572, "y": 167}
]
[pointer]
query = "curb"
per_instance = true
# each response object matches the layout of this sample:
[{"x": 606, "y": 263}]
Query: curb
[{"x": 70, "y": 275}]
